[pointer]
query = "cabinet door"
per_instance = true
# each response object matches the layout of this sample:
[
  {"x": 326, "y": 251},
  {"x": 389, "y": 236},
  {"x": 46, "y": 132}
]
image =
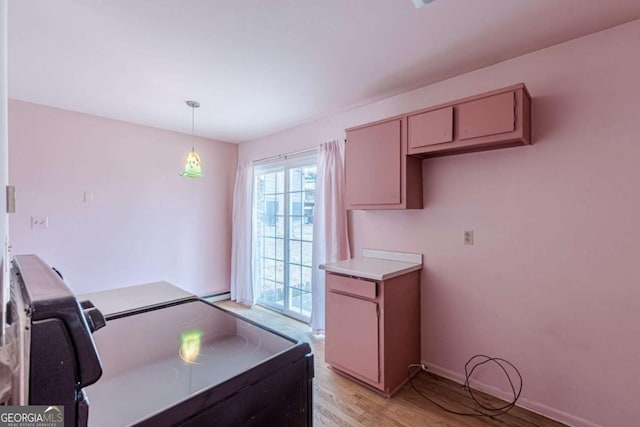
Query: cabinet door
[
  {"x": 352, "y": 335},
  {"x": 373, "y": 164},
  {"x": 430, "y": 128},
  {"x": 487, "y": 116}
]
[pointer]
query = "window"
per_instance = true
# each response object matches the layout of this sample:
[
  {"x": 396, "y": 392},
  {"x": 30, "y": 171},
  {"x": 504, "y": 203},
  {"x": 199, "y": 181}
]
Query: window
[{"x": 284, "y": 195}]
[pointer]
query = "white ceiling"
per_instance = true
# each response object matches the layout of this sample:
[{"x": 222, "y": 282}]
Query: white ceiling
[{"x": 260, "y": 66}]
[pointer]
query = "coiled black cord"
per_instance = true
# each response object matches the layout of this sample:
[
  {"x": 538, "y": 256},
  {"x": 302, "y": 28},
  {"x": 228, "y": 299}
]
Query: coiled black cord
[{"x": 485, "y": 411}]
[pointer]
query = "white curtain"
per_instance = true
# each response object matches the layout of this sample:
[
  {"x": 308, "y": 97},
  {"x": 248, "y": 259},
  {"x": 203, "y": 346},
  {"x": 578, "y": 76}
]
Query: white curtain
[
  {"x": 330, "y": 239},
  {"x": 242, "y": 289}
]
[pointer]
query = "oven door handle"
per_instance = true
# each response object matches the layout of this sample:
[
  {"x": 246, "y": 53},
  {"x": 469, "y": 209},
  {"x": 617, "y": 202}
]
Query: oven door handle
[
  {"x": 89, "y": 365},
  {"x": 94, "y": 317}
]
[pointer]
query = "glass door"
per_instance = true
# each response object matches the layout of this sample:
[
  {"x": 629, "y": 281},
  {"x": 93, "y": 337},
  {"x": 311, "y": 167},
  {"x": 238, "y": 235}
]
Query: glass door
[{"x": 283, "y": 206}]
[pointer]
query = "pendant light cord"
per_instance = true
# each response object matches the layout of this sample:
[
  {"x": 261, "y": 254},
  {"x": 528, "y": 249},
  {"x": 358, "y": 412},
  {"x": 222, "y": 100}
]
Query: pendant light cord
[
  {"x": 193, "y": 105},
  {"x": 193, "y": 113}
]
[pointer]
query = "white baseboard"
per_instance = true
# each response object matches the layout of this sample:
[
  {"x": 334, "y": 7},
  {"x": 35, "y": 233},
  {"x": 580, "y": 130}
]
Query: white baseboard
[
  {"x": 223, "y": 296},
  {"x": 538, "y": 408}
]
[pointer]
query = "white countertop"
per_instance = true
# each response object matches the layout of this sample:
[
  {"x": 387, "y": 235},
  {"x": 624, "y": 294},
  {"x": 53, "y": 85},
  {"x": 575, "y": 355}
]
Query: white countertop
[
  {"x": 377, "y": 265},
  {"x": 121, "y": 300}
]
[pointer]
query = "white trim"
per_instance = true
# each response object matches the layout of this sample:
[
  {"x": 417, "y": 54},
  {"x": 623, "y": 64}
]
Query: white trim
[
  {"x": 276, "y": 164},
  {"x": 218, "y": 297},
  {"x": 530, "y": 405},
  {"x": 392, "y": 255},
  {"x": 307, "y": 152}
]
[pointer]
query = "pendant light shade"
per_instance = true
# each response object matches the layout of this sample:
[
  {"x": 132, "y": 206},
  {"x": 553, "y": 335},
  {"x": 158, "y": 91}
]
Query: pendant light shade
[{"x": 192, "y": 168}]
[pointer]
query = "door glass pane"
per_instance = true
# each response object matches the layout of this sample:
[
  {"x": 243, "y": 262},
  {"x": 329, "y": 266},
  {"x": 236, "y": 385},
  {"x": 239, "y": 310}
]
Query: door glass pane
[
  {"x": 279, "y": 295},
  {"x": 306, "y": 304},
  {"x": 295, "y": 276},
  {"x": 295, "y": 227},
  {"x": 279, "y": 230},
  {"x": 268, "y": 290},
  {"x": 306, "y": 253},
  {"x": 294, "y": 251},
  {"x": 279, "y": 268},
  {"x": 280, "y": 248},
  {"x": 295, "y": 179},
  {"x": 306, "y": 279},
  {"x": 295, "y": 203},
  {"x": 269, "y": 272}
]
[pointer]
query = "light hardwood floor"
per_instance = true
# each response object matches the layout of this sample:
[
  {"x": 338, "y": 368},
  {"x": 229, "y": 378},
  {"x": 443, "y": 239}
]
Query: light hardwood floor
[{"x": 338, "y": 401}]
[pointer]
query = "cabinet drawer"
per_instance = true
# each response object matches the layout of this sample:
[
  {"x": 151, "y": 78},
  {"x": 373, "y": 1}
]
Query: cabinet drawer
[
  {"x": 491, "y": 115},
  {"x": 430, "y": 128},
  {"x": 351, "y": 286}
]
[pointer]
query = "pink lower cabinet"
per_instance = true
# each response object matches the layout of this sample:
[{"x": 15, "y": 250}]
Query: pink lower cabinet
[
  {"x": 355, "y": 352},
  {"x": 373, "y": 328}
]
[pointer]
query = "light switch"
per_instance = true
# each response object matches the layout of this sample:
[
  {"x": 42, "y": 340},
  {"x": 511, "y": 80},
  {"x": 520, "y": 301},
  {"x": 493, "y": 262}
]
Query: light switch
[
  {"x": 88, "y": 196},
  {"x": 11, "y": 199}
]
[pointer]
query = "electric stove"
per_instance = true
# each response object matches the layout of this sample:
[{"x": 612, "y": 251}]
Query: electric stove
[{"x": 181, "y": 361}]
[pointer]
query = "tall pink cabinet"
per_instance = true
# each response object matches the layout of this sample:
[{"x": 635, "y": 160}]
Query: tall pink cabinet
[
  {"x": 378, "y": 172},
  {"x": 373, "y": 318}
]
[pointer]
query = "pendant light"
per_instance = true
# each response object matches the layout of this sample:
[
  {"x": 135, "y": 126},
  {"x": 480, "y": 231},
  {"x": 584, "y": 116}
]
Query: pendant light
[{"x": 192, "y": 167}]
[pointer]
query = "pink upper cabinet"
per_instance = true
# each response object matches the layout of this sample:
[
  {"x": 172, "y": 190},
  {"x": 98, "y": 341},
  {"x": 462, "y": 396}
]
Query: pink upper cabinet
[
  {"x": 373, "y": 171},
  {"x": 492, "y": 115},
  {"x": 382, "y": 159},
  {"x": 378, "y": 173},
  {"x": 430, "y": 128},
  {"x": 496, "y": 119}
]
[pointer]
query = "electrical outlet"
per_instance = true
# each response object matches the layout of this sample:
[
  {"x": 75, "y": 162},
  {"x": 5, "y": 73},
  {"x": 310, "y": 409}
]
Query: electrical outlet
[
  {"x": 468, "y": 237},
  {"x": 39, "y": 222}
]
